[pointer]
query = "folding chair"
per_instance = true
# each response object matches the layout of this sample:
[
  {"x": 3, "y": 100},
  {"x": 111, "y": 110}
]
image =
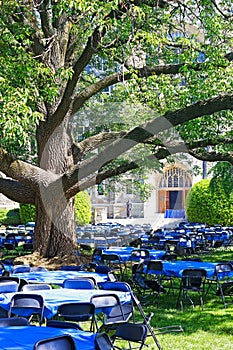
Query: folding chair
[
  {"x": 63, "y": 342},
  {"x": 154, "y": 272},
  {"x": 117, "y": 265},
  {"x": 27, "y": 247},
  {"x": 35, "y": 286},
  {"x": 147, "y": 319},
  {"x": 127, "y": 308},
  {"x": 8, "y": 286},
  {"x": 103, "y": 342},
  {"x": 147, "y": 288},
  {"x": 78, "y": 312},
  {"x": 220, "y": 283},
  {"x": 139, "y": 255},
  {"x": 27, "y": 305},
  {"x": 111, "y": 310},
  {"x": 132, "y": 333},
  {"x": 79, "y": 283},
  {"x": 21, "y": 269},
  {"x": 63, "y": 324},
  {"x": 38, "y": 269},
  {"x": 192, "y": 281},
  {"x": 14, "y": 321},
  {"x": 11, "y": 244},
  {"x": 20, "y": 281}
]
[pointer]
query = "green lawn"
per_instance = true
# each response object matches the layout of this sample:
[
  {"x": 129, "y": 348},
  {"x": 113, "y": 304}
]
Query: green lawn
[{"x": 210, "y": 329}]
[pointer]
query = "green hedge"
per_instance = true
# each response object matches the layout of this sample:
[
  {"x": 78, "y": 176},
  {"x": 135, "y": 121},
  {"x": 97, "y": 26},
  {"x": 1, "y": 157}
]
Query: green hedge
[
  {"x": 82, "y": 205},
  {"x": 9, "y": 217},
  {"x": 27, "y": 213},
  {"x": 205, "y": 205}
]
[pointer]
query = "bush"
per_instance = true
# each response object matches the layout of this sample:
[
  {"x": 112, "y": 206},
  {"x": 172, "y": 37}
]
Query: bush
[
  {"x": 212, "y": 206},
  {"x": 27, "y": 213},
  {"x": 82, "y": 206},
  {"x": 9, "y": 217}
]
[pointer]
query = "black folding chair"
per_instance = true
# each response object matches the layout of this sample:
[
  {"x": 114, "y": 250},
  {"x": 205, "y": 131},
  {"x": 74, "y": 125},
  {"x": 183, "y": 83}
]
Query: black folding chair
[
  {"x": 78, "y": 312},
  {"x": 127, "y": 308},
  {"x": 132, "y": 333},
  {"x": 148, "y": 288},
  {"x": 192, "y": 281},
  {"x": 63, "y": 324},
  {"x": 111, "y": 310},
  {"x": 36, "y": 287},
  {"x": 103, "y": 342},
  {"x": 14, "y": 321},
  {"x": 28, "y": 305},
  {"x": 221, "y": 283},
  {"x": 139, "y": 255},
  {"x": 79, "y": 283},
  {"x": 114, "y": 261},
  {"x": 63, "y": 342}
]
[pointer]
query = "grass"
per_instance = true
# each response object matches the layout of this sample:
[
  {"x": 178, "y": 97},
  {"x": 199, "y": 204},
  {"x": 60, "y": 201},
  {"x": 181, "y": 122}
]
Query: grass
[{"x": 210, "y": 329}]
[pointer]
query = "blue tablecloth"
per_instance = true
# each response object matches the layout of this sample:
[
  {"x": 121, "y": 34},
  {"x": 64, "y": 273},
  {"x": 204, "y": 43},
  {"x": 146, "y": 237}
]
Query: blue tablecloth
[
  {"x": 57, "y": 277},
  {"x": 24, "y": 337},
  {"x": 125, "y": 252},
  {"x": 55, "y": 297},
  {"x": 175, "y": 213},
  {"x": 175, "y": 268}
]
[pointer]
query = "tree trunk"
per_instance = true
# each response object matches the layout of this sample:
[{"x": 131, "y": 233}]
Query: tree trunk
[
  {"x": 55, "y": 231},
  {"x": 54, "y": 234}
]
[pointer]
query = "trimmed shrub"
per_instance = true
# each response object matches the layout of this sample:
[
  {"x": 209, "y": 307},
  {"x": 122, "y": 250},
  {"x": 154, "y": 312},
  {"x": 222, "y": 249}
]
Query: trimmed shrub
[
  {"x": 82, "y": 207},
  {"x": 27, "y": 213},
  {"x": 9, "y": 217},
  {"x": 205, "y": 204}
]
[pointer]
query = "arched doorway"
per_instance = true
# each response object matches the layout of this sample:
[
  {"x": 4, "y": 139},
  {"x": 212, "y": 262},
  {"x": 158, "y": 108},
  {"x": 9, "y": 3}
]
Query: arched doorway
[{"x": 173, "y": 188}]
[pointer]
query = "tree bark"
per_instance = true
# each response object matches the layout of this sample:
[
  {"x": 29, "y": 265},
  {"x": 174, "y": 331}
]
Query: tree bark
[{"x": 55, "y": 223}]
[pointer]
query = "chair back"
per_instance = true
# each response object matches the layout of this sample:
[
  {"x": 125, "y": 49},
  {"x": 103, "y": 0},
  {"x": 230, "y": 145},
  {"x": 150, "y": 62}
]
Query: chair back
[
  {"x": 78, "y": 312},
  {"x": 63, "y": 342},
  {"x": 109, "y": 258},
  {"x": 14, "y": 321},
  {"x": 8, "y": 286},
  {"x": 38, "y": 269},
  {"x": 154, "y": 266},
  {"x": 134, "y": 332},
  {"x": 138, "y": 255},
  {"x": 26, "y": 305},
  {"x": 21, "y": 269},
  {"x": 78, "y": 283},
  {"x": 193, "y": 278},
  {"x": 36, "y": 286},
  {"x": 118, "y": 286},
  {"x": 63, "y": 324},
  {"x": 103, "y": 342}
]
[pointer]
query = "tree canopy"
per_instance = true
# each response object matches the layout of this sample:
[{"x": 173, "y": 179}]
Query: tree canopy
[{"x": 168, "y": 66}]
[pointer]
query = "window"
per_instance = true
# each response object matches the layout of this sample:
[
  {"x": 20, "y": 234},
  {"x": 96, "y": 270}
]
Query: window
[{"x": 175, "y": 177}]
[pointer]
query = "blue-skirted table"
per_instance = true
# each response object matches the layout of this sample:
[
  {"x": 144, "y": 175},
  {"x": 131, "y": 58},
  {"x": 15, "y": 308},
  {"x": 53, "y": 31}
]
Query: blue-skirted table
[
  {"x": 176, "y": 268},
  {"x": 57, "y": 277},
  {"x": 125, "y": 252},
  {"x": 55, "y": 297},
  {"x": 24, "y": 337}
]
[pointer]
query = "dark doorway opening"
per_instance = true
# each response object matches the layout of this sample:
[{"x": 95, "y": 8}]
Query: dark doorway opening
[{"x": 175, "y": 199}]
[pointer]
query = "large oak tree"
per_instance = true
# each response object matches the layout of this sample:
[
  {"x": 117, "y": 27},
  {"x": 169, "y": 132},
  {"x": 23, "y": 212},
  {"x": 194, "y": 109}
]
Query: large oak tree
[{"x": 168, "y": 65}]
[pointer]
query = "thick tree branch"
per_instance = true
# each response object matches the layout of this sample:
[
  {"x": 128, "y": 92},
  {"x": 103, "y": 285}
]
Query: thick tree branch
[
  {"x": 16, "y": 191},
  {"x": 145, "y": 132},
  {"x": 212, "y": 156},
  {"x": 91, "y": 143},
  {"x": 26, "y": 173}
]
